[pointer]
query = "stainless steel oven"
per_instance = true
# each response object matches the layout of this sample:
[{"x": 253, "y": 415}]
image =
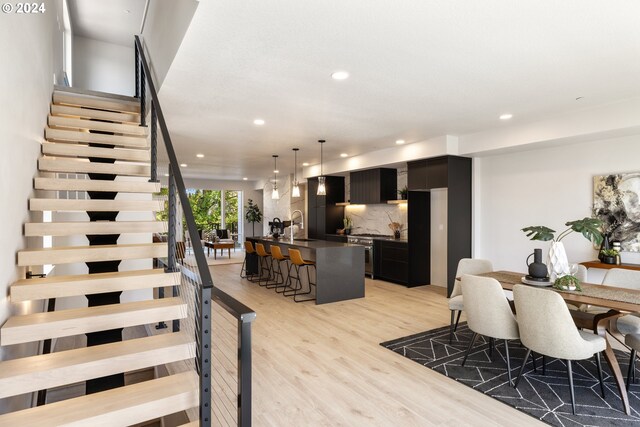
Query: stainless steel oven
[{"x": 367, "y": 242}]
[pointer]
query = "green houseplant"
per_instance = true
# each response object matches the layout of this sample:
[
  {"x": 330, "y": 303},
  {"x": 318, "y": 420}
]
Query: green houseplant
[
  {"x": 252, "y": 214},
  {"x": 558, "y": 262},
  {"x": 404, "y": 192}
]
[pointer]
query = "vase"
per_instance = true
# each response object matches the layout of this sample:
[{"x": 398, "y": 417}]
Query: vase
[
  {"x": 396, "y": 234},
  {"x": 558, "y": 262}
]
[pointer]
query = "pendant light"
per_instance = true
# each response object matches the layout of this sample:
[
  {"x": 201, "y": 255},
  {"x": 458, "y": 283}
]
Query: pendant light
[
  {"x": 274, "y": 194},
  {"x": 295, "y": 192},
  {"x": 322, "y": 188}
]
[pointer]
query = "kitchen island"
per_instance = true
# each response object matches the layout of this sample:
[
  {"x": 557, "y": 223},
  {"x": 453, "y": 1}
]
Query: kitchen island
[{"x": 339, "y": 266}]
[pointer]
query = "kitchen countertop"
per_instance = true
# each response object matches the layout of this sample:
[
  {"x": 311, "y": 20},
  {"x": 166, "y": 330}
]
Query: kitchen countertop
[
  {"x": 314, "y": 244},
  {"x": 386, "y": 239}
]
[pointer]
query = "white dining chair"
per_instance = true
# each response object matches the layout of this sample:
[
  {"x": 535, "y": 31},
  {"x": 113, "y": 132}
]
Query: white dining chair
[
  {"x": 546, "y": 327},
  {"x": 456, "y": 304},
  {"x": 623, "y": 278},
  {"x": 488, "y": 313},
  {"x": 633, "y": 341}
]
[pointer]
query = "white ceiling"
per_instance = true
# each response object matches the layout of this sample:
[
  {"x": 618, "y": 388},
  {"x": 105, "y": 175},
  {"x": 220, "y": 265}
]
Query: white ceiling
[
  {"x": 107, "y": 21},
  {"x": 419, "y": 69}
]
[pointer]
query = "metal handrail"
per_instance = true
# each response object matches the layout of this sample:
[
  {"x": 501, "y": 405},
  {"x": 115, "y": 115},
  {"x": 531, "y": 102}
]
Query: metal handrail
[{"x": 208, "y": 292}]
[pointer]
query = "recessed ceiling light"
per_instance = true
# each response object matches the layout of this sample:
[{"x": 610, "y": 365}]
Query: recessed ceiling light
[
  {"x": 183, "y": 165},
  {"x": 127, "y": 11},
  {"x": 399, "y": 141},
  {"x": 276, "y": 171},
  {"x": 506, "y": 116},
  {"x": 305, "y": 164},
  {"x": 340, "y": 75},
  {"x": 245, "y": 178},
  {"x": 343, "y": 155},
  {"x": 199, "y": 156},
  {"x": 258, "y": 122}
]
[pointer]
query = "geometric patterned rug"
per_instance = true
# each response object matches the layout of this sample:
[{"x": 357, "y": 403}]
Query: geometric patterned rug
[{"x": 545, "y": 397}]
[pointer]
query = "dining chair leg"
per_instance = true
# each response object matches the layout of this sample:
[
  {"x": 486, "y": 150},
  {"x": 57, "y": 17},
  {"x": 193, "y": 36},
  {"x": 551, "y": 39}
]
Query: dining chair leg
[
  {"x": 632, "y": 368},
  {"x": 506, "y": 351},
  {"x": 524, "y": 363},
  {"x": 573, "y": 397},
  {"x": 453, "y": 315},
  {"x": 533, "y": 361},
  {"x": 455, "y": 328},
  {"x": 599, "y": 365},
  {"x": 473, "y": 338}
]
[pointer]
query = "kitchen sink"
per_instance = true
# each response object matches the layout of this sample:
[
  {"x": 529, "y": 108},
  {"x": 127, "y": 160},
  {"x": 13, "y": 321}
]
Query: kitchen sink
[{"x": 304, "y": 240}]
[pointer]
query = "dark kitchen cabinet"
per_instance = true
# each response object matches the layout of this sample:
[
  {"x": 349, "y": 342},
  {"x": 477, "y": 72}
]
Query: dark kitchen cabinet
[
  {"x": 373, "y": 186},
  {"x": 391, "y": 261},
  {"x": 323, "y": 214},
  {"x": 453, "y": 173}
]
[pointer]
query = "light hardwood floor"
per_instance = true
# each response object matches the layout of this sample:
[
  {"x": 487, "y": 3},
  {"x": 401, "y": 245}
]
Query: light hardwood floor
[{"x": 322, "y": 365}]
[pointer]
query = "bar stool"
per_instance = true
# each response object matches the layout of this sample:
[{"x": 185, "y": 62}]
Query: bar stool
[
  {"x": 298, "y": 262},
  {"x": 264, "y": 264},
  {"x": 276, "y": 255},
  {"x": 248, "y": 249}
]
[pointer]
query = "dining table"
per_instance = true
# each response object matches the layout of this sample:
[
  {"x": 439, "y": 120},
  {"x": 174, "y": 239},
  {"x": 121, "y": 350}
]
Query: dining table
[{"x": 618, "y": 301}]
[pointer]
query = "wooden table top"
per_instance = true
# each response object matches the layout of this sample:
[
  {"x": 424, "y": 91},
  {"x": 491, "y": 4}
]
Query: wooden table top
[
  {"x": 616, "y": 298},
  {"x": 219, "y": 245},
  {"x": 598, "y": 264}
]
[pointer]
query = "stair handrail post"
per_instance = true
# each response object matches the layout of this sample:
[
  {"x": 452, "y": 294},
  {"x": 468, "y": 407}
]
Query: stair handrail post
[
  {"x": 143, "y": 101},
  {"x": 154, "y": 142},
  {"x": 137, "y": 72},
  {"x": 171, "y": 235},
  {"x": 204, "y": 350}
]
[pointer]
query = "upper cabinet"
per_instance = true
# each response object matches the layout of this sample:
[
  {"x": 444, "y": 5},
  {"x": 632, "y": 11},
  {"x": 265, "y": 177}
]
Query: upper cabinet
[
  {"x": 428, "y": 174},
  {"x": 373, "y": 186}
]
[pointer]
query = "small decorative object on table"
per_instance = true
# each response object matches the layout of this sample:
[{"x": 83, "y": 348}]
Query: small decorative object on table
[
  {"x": 558, "y": 262},
  {"x": 608, "y": 256},
  {"x": 537, "y": 269},
  {"x": 568, "y": 282},
  {"x": 396, "y": 227},
  {"x": 404, "y": 192}
]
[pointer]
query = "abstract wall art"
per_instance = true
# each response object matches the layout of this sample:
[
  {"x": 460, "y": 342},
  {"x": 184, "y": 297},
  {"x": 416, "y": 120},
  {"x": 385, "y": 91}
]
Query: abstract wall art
[{"x": 616, "y": 201}]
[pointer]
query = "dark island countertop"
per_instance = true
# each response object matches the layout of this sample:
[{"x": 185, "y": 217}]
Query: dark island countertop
[{"x": 339, "y": 272}]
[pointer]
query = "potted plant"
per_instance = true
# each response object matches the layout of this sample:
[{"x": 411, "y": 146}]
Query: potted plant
[
  {"x": 404, "y": 192},
  {"x": 608, "y": 256},
  {"x": 252, "y": 215},
  {"x": 348, "y": 223},
  {"x": 568, "y": 283},
  {"x": 558, "y": 263},
  {"x": 395, "y": 226}
]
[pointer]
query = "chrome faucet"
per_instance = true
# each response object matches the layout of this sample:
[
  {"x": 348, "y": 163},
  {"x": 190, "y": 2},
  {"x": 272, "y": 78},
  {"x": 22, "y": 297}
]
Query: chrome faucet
[{"x": 293, "y": 223}]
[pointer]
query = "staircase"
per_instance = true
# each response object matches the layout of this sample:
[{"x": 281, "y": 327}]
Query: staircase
[{"x": 98, "y": 135}]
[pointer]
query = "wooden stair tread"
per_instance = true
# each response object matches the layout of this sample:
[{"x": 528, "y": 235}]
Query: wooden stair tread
[
  {"x": 62, "y": 164},
  {"x": 87, "y": 113},
  {"x": 64, "y": 184},
  {"x": 102, "y": 103},
  {"x": 35, "y": 229},
  {"x": 56, "y": 324},
  {"x": 78, "y": 150},
  {"x": 83, "y": 284},
  {"x": 52, "y": 134},
  {"x": 80, "y": 123},
  {"x": 45, "y": 371},
  {"x": 120, "y": 406},
  {"x": 95, "y": 93},
  {"x": 72, "y": 254},
  {"x": 95, "y": 205}
]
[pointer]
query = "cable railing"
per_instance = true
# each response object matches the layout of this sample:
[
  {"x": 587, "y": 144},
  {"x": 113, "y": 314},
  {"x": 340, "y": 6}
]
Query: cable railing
[{"x": 219, "y": 324}]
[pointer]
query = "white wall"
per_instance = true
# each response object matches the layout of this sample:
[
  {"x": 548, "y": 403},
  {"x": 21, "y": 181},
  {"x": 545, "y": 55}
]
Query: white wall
[
  {"x": 31, "y": 49},
  {"x": 165, "y": 26},
  {"x": 102, "y": 66},
  {"x": 548, "y": 186}
]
